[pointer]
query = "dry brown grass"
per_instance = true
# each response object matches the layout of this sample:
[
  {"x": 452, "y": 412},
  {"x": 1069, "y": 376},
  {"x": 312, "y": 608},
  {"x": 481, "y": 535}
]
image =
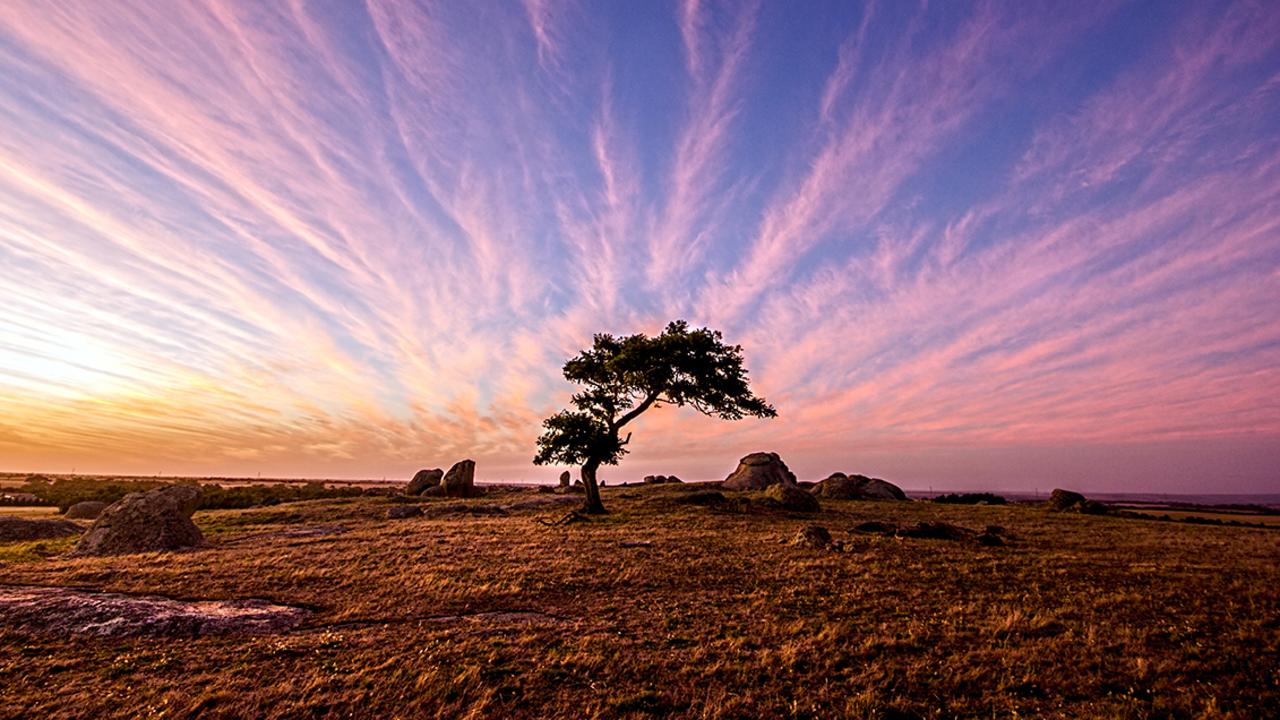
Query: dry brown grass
[{"x": 1078, "y": 617}]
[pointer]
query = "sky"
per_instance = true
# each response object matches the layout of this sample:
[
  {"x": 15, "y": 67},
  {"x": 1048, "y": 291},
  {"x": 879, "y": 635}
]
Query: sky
[{"x": 963, "y": 245}]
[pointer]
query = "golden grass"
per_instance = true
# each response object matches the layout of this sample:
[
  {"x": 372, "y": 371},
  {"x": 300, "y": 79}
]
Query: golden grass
[
  {"x": 1209, "y": 514},
  {"x": 1078, "y": 617},
  {"x": 30, "y": 511}
]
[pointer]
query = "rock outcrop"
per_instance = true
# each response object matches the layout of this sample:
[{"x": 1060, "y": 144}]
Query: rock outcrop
[
  {"x": 460, "y": 481},
  {"x": 565, "y": 479},
  {"x": 858, "y": 487},
  {"x": 64, "y": 612},
  {"x": 758, "y": 471},
  {"x": 149, "y": 521},
  {"x": 87, "y": 510},
  {"x": 422, "y": 480}
]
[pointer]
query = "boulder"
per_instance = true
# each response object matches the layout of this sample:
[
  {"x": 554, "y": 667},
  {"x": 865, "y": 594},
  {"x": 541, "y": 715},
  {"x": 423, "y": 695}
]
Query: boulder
[
  {"x": 422, "y": 480},
  {"x": 758, "y": 471},
  {"x": 789, "y": 497},
  {"x": 460, "y": 481},
  {"x": 564, "y": 479},
  {"x": 400, "y": 512},
  {"x": 1062, "y": 500},
  {"x": 673, "y": 479},
  {"x": 659, "y": 479},
  {"x": 1067, "y": 501},
  {"x": 813, "y": 536},
  {"x": 148, "y": 521},
  {"x": 20, "y": 528},
  {"x": 86, "y": 510},
  {"x": 857, "y": 487}
]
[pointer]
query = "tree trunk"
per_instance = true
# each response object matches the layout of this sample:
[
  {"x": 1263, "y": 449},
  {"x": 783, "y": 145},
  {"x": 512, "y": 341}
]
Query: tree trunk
[{"x": 591, "y": 505}]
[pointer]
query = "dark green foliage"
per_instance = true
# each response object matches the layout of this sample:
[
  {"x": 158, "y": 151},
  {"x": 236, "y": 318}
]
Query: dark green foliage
[
  {"x": 245, "y": 496},
  {"x": 65, "y": 492},
  {"x": 621, "y": 377},
  {"x": 970, "y": 499}
]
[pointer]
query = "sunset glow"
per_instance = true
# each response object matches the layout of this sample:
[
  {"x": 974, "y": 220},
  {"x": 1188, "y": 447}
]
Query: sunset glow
[{"x": 990, "y": 245}]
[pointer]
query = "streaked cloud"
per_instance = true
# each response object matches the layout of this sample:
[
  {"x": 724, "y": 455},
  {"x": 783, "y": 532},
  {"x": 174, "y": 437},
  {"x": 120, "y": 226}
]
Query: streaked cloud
[{"x": 352, "y": 240}]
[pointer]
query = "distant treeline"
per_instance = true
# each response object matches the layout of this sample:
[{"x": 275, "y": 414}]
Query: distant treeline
[
  {"x": 65, "y": 492},
  {"x": 970, "y": 499}
]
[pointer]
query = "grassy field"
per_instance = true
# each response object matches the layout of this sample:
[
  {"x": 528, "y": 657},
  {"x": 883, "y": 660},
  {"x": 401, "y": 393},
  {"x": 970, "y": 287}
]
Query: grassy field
[
  {"x": 1209, "y": 514},
  {"x": 716, "y": 617}
]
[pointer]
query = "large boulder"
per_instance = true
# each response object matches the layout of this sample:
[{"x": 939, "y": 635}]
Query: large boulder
[
  {"x": 422, "y": 480},
  {"x": 565, "y": 477},
  {"x": 86, "y": 510},
  {"x": 20, "y": 528},
  {"x": 148, "y": 521},
  {"x": 791, "y": 497},
  {"x": 758, "y": 471},
  {"x": 858, "y": 487},
  {"x": 460, "y": 481}
]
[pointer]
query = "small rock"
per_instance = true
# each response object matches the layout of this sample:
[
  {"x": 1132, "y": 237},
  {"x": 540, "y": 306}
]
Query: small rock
[
  {"x": 400, "y": 512},
  {"x": 814, "y": 536}
]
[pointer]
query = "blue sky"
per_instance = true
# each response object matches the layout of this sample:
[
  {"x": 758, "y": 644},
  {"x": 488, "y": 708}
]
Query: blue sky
[{"x": 995, "y": 245}]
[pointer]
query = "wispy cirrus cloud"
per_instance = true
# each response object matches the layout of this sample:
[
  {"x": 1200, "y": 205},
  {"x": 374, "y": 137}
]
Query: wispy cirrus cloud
[{"x": 354, "y": 240}]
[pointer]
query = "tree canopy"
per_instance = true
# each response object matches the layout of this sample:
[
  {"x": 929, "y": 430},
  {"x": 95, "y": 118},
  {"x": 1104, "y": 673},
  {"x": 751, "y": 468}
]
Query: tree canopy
[{"x": 622, "y": 377}]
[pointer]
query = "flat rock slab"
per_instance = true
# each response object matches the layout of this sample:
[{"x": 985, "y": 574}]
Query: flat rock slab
[{"x": 63, "y": 611}]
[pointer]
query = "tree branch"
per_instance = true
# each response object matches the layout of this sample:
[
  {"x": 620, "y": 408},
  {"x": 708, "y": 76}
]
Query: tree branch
[{"x": 649, "y": 400}]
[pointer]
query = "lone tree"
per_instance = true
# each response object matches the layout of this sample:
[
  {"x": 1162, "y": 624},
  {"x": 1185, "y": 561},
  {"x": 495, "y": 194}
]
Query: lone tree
[{"x": 623, "y": 377}]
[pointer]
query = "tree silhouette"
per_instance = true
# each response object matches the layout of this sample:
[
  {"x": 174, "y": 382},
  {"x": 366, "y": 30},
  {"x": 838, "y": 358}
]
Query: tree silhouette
[{"x": 623, "y": 377}]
